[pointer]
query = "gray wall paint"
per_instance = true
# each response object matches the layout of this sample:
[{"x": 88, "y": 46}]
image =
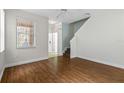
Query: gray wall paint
[
  {"x": 78, "y": 24},
  {"x": 68, "y": 31},
  {"x": 101, "y": 38},
  {"x": 2, "y": 63},
  {"x": 65, "y": 34},
  {"x": 18, "y": 56}
]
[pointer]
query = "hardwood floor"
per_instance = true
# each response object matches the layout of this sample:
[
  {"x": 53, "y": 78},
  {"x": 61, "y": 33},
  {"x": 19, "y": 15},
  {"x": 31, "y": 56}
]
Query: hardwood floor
[{"x": 62, "y": 69}]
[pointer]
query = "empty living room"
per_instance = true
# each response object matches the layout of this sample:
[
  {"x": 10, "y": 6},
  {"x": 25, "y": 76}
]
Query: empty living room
[{"x": 61, "y": 46}]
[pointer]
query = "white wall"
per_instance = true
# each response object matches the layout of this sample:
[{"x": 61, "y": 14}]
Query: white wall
[
  {"x": 16, "y": 56},
  {"x": 2, "y": 54},
  {"x": 101, "y": 38},
  {"x": 73, "y": 47}
]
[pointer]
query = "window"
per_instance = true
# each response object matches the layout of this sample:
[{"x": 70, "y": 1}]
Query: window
[
  {"x": 25, "y": 33},
  {"x": 2, "y": 31}
]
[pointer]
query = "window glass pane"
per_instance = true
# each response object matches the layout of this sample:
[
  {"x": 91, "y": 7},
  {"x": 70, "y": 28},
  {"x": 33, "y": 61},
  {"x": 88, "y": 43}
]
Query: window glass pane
[{"x": 25, "y": 34}]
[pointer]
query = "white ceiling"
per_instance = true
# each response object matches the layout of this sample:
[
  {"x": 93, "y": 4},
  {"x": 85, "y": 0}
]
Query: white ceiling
[{"x": 70, "y": 16}]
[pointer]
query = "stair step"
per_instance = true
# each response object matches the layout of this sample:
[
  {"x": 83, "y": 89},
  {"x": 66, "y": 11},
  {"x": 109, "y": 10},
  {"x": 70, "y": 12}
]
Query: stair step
[{"x": 67, "y": 52}]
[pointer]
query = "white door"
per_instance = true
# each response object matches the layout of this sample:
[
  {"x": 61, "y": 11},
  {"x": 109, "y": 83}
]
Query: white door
[{"x": 53, "y": 42}]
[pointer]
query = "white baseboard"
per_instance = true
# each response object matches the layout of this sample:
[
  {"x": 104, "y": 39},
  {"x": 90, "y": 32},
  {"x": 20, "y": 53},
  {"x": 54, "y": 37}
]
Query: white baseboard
[
  {"x": 103, "y": 62},
  {"x": 1, "y": 73},
  {"x": 25, "y": 62},
  {"x": 20, "y": 63}
]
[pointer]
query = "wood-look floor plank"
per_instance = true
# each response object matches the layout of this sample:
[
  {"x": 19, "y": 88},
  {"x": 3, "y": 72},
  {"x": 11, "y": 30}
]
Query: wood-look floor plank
[{"x": 63, "y": 69}]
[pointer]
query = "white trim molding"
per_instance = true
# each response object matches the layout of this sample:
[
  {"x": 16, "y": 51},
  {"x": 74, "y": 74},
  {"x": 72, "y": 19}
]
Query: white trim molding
[
  {"x": 20, "y": 63},
  {"x": 1, "y": 73},
  {"x": 25, "y": 62},
  {"x": 103, "y": 62}
]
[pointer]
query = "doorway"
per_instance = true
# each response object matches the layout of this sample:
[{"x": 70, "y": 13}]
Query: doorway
[{"x": 54, "y": 41}]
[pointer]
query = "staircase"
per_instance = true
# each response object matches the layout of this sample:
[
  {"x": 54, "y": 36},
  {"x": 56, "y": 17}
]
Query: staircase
[
  {"x": 67, "y": 52},
  {"x": 74, "y": 41}
]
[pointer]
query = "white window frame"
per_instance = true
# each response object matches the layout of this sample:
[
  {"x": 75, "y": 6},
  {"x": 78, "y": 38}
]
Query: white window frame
[{"x": 2, "y": 30}]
